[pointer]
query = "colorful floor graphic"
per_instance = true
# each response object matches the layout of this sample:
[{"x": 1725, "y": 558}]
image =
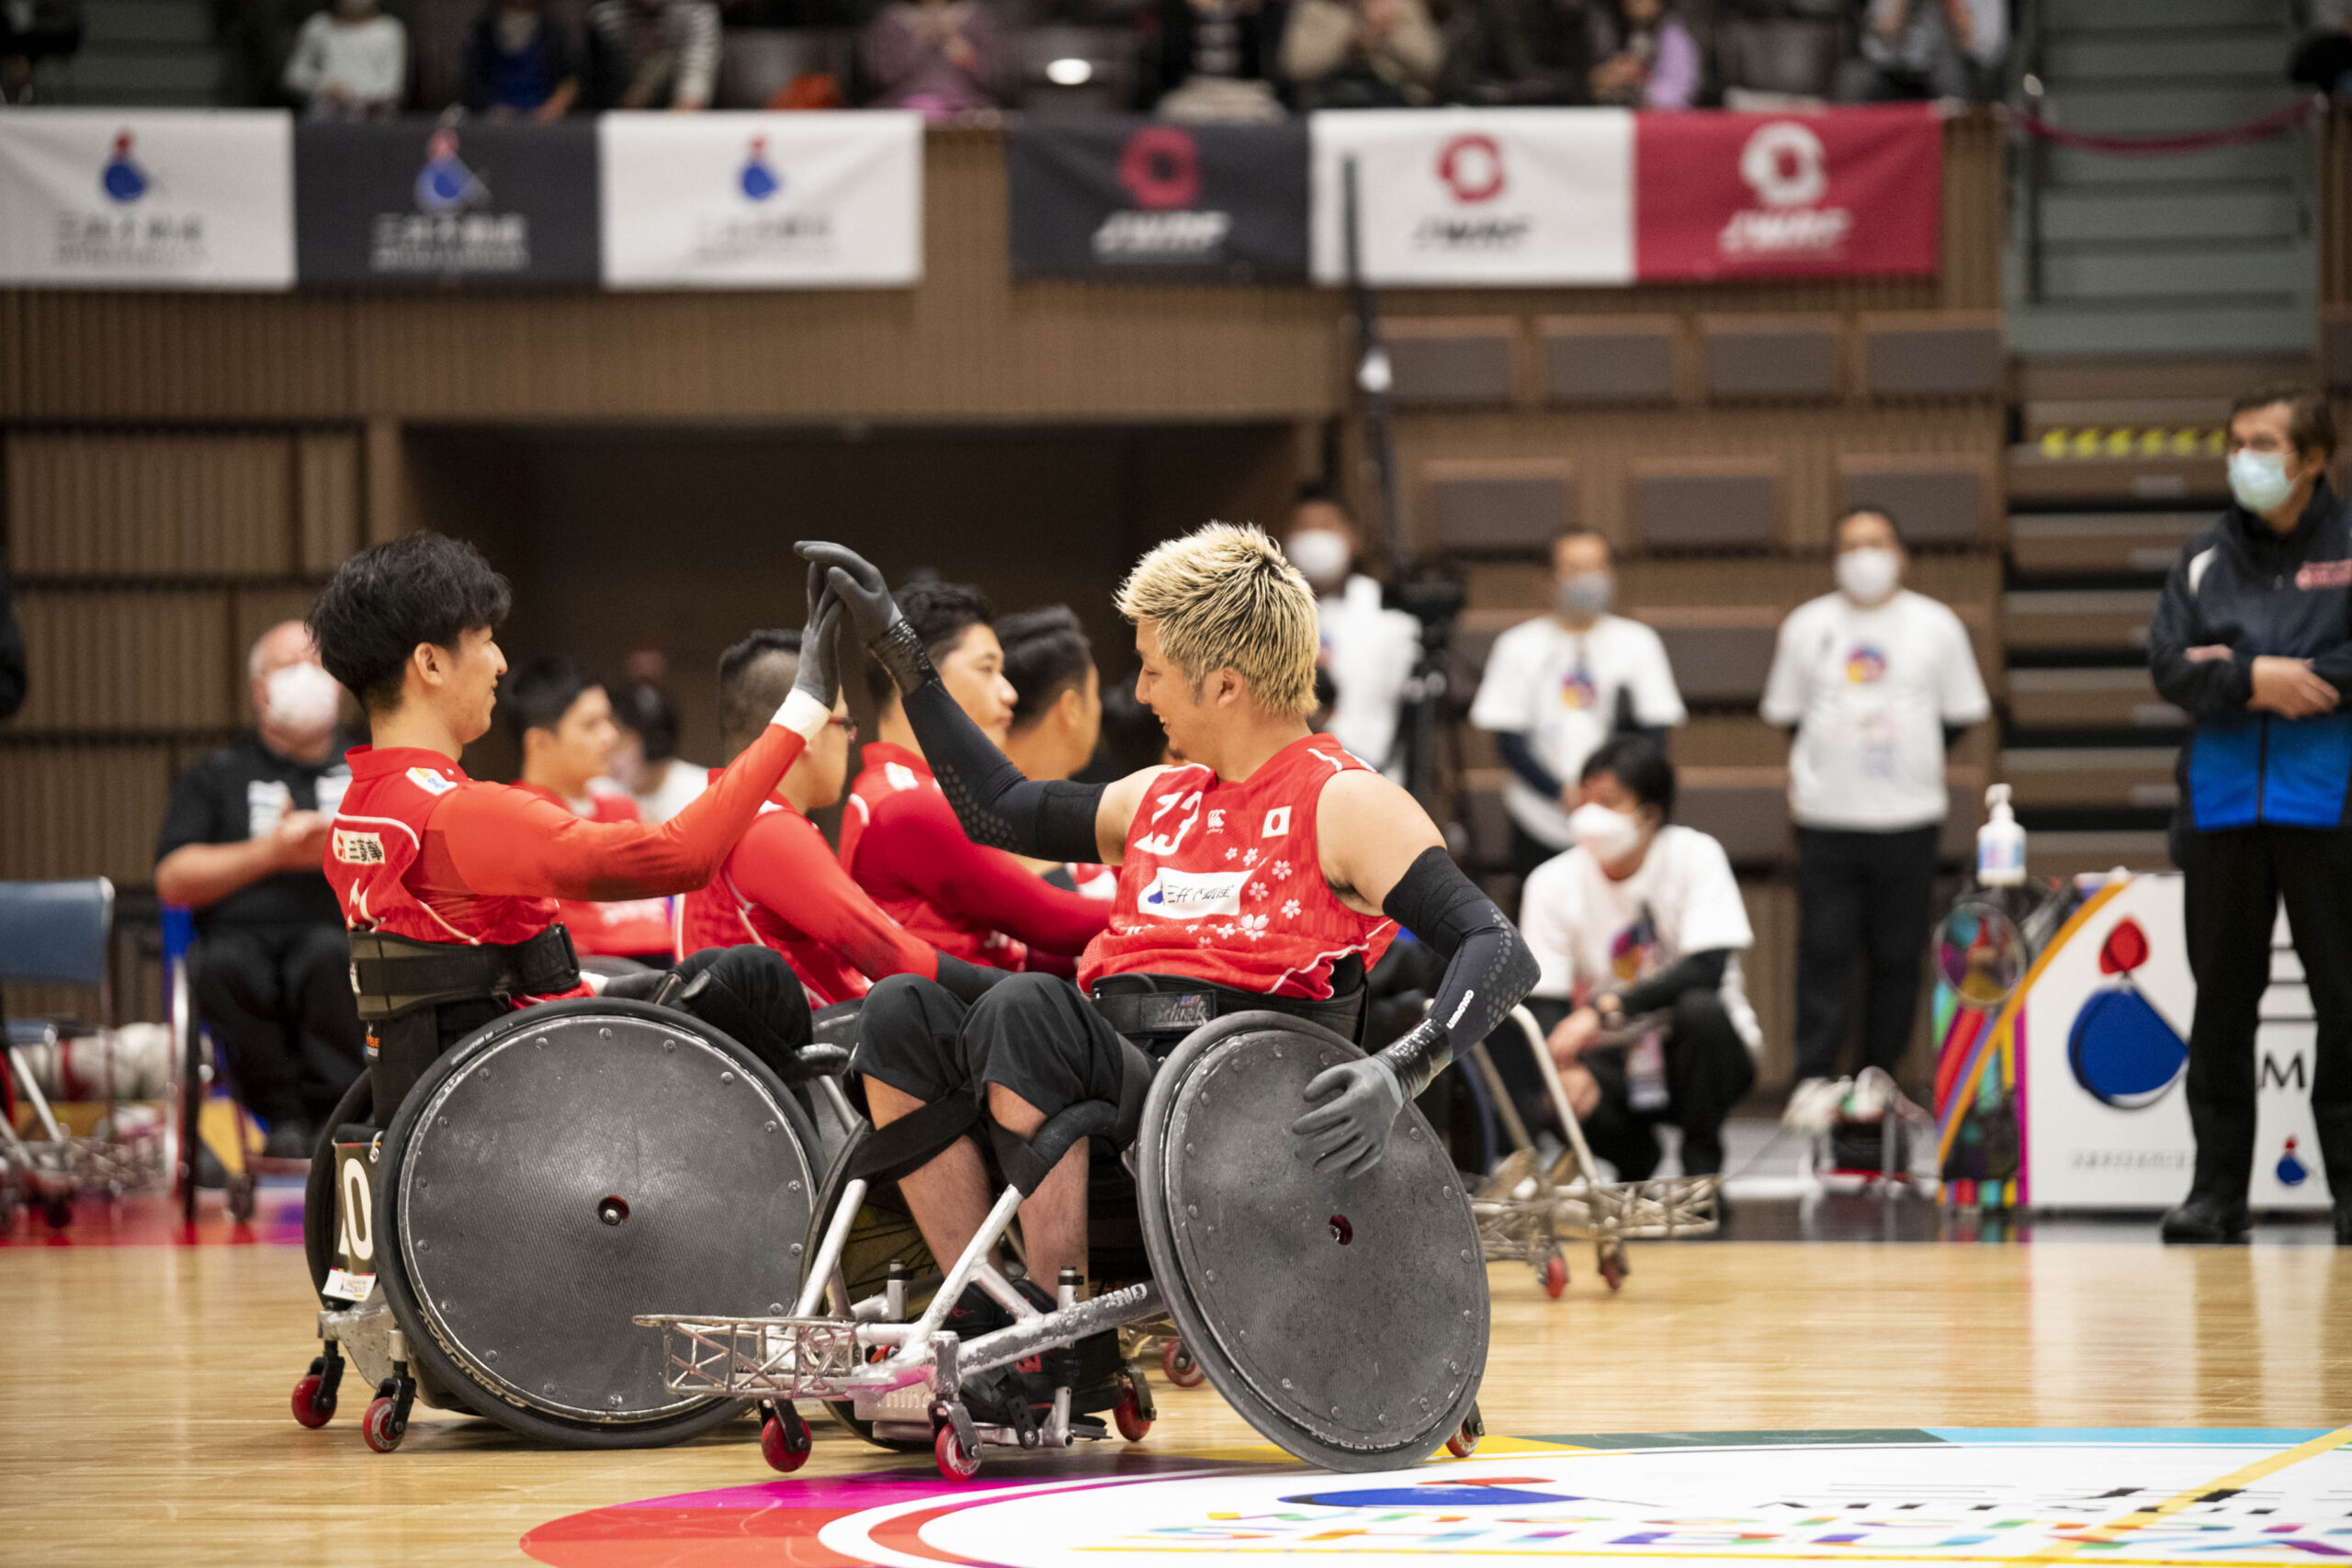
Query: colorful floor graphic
[{"x": 2122, "y": 1499}]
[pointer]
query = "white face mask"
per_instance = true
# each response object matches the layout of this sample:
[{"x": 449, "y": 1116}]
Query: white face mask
[
  {"x": 301, "y": 698},
  {"x": 1609, "y": 836},
  {"x": 2259, "y": 481},
  {"x": 1867, "y": 575},
  {"x": 1321, "y": 557}
]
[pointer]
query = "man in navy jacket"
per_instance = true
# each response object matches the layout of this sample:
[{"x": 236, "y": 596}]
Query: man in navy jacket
[{"x": 2254, "y": 641}]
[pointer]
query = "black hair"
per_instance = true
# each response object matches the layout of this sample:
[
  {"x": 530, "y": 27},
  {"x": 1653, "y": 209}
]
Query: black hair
[
  {"x": 651, "y": 714},
  {"x": 1864, "y": 509},
  {"x": 1314, "y": 492},
  {"x": 1131, "y": 740},
  {"x": 754, "y": 677},
  {"x": 1326, "y": 691},
  {"x": 1045, "y": 654},
  {"x": 1635, "y": 762},
  {"x": 941, "y": 613},
  {"x": 538, "y": 695},
  {"x": 383, "y": 601},
  {"x": 2311, "y": 424}
]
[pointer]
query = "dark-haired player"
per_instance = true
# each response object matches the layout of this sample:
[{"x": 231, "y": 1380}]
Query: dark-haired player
[
  {"x": 449, "y": 886},
  {"x": 1057, "y": 716},
  {"x": 901, "y": 839}
]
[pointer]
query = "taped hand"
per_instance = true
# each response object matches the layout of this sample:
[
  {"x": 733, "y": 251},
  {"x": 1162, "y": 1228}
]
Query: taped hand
[{"x": 1355, "y": 1106}]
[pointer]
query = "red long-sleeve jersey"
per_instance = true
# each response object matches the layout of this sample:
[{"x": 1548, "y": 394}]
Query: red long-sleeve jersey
[
  {"x": 782, "y": 886},
  {"x": 618, "y": 928},
  {"x": 901, "y": 841}
]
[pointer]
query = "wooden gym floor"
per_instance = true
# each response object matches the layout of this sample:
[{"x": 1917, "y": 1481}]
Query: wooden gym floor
[{"x": 143, "y": 1387}]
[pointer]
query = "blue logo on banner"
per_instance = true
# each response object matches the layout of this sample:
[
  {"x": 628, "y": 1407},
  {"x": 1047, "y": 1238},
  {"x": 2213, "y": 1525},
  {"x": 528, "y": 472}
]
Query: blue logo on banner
[
  {"x": 122, "y": 179},
  {"x": 758, "y": 180},
  {"x": 445, "y": 184},
  {"x": 2292, "y": 1171}
]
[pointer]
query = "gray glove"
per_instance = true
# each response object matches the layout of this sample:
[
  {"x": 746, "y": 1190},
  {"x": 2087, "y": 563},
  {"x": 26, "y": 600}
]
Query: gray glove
[
  {"x": 1356, "y": 1105},
  {"x": 821, "y": 675},
  {"x": 855, "y": 583}
]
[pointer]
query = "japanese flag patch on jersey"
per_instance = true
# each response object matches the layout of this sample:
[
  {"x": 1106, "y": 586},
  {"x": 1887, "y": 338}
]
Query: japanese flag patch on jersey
[{"x": 1191, "y": 894}]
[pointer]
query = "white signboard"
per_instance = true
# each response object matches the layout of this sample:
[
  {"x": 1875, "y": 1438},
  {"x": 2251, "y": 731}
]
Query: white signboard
[
  {"x": 2105, "y": 1058},
  {"x": 147, "y": 199},
  {"x": 1452, "y": 196},
  {"x": 804, "y": 200}
]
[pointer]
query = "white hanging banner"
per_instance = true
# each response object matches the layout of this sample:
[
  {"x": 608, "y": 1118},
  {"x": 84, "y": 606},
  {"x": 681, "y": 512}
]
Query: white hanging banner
[
  {"x": 1452, "y": 196},
  {"x": 799, "y": 200},
  {"x": 147, "y": 199}
]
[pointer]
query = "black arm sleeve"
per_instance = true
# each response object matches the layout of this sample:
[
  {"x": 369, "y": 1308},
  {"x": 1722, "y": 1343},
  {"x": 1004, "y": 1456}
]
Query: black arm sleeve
[
  {"x": 1519, "y": 754},
  {"x": 1693, "y": 972},
  {"x": 1488, "y": 970},
  {"x": 1049, "y": 819},
  {"x": 963, "y": 981}
]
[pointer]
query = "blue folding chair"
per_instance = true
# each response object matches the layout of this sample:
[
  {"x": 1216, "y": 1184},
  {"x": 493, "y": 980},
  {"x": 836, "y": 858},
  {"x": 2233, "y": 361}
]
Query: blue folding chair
[{"x": 197, "y": 1065}]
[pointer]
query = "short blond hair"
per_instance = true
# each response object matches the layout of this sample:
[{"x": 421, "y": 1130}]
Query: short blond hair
[{"x": 1223, "y": 597}]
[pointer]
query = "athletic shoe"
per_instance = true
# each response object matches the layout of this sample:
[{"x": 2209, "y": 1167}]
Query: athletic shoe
[
  {"x": 2212, "y": 1220},
  {"x": 1048, "y": 1368},
  {"x": 1815, "y": 1104},
  {"x": 975, "y": 1314}
]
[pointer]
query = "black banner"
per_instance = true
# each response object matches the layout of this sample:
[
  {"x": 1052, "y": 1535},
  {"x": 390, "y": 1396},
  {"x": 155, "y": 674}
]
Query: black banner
[
  {"x": 1115, "y": 196},
  {"x": 417, "y": 201}
]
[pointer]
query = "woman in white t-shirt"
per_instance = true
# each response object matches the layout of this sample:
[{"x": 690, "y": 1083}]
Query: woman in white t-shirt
[
  {"x": 1642, "y": 921},
  {"x": 1557, "y": 686}
]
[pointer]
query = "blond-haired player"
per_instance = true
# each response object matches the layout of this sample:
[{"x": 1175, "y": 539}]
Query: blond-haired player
[{"x": 1266, "y": 871}]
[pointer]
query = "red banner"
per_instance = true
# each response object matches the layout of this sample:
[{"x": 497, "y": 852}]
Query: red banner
[{"x": 1836, "y": 192}]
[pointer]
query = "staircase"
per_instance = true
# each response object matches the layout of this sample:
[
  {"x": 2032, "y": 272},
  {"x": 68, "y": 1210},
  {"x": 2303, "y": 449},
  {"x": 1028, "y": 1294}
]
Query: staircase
[
  {"x": 139, "y": 53},
  {"x": 2208, "y": 252}
]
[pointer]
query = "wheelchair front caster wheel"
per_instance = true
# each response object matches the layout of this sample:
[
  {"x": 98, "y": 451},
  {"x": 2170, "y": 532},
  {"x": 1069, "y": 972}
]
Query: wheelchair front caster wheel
[
  {"x": 956, "y": 1461},
  {"x": 1465, "y": 1441},
  {"x": 1556, "y": 1276},
  {"x": 1178, "y": 1363},
  {"x": 241, "y": 1199},
  {"x": 1613, "y": 1266},
  {"x": 784, "y": 1441},
  {"x": 382, "y": 1427},
  {"x": 314, "y": 1407},
  {"x": 1132, "y": 1424},
  {"x": 58, "y": 1211}
]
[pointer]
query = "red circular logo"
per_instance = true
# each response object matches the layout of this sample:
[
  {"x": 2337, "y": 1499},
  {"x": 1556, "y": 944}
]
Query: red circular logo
[
  {"x": 1471, "y": 167},
  {"x": 1162, "y": 168}
]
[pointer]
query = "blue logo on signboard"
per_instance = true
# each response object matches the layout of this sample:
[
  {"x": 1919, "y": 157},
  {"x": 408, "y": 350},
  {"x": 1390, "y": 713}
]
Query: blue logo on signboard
[
  {"x": 122, "y": 179},
  {"x": 759, "y": 181},
  {"x": 2122, "y": 1049},
  {"x": 445, "y": 184}
]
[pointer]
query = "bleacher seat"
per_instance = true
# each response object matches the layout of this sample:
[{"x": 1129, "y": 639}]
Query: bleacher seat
[
  {"x": 1481, "y": 505},
  {"x": 1936, "y": 501},
  {"x": 2088, "y": 776},
  {"x": 1459, "y": 363},
  {"x": 1746, "y": 810},
  {"x": 1932, "y": 355},
  {"x": 2102, "y": 542},
  {"x": 759, "y": 62},
  {"x": 2094, "y": 697},
  {"x": 2336, "y": 348},
  {"x": 2110, "y": 618},
  {"x": 1714, "y": 504},
  {"x": 1764, "y": 59},
  {"x": 1483, "y": 817},
  {"x": 1608, "y": 359},
  {"x": 1719, "y": 653},
  {"x": 1751, "y": 358}
]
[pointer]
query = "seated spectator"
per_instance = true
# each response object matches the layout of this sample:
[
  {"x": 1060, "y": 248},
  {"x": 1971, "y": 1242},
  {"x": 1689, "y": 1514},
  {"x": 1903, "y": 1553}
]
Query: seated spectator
[
  {"x": 1214, "y": 59},
  {"x": 653, "y": 54},
  {"x": 1056, "y": 718},
  {"x": 1519, "y": 51},
  {"x": 1557, "y": 686},
  {"x": 645, "y": 763},
  {"x": 781, "y": 884},
  {"x": 1369, "y": 650},
  {"x": 1638, "y": 930},
  {"x": 563, "y": 721},
  {"x": 244, "y": 844},
  {"x": 936, "y": 57},
  {"x": 350, "y": 61},
  {"x": 521, "y": 62},
  {"x": 1357, "y": 54},
  {"x": 1644, "y": 57},
  {"x": 1928, "y": 48},
  {"x": 901, "y": 838}
]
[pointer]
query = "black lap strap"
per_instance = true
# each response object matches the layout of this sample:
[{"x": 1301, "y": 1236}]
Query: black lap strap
[
  {"x": 914, "y": 1140},
  {"x": 391, "y": 975},
  {"x": 1027, "y": 1163},
  {"x": 1169, "y": 1006}
]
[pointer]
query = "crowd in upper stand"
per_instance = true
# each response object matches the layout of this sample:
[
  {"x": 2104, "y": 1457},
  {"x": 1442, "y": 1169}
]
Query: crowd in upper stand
[{"x": 1196, "y": 60}]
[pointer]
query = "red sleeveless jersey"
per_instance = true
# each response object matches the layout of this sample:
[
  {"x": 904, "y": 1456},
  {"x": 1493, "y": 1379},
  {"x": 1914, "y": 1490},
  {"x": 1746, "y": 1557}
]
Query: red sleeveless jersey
[
  {"x": 1223, "y": 882},
  {"x": 620, "y": 928},
  {"x": 378, "y": 837}
]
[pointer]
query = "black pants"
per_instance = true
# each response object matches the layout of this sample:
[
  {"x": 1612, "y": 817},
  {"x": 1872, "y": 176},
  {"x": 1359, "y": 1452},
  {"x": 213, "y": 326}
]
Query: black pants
[
  {"x": 277, "y": 1001},
  {"x": 747, "y": 993},
  {"x": 1037, "y": 1035},
  {"x": 1862, "y": 896},
  {"x": 1708, "y": 1069},
  {"x": 1528, "y": 852},
  {"x": 2236, "y": 878}
]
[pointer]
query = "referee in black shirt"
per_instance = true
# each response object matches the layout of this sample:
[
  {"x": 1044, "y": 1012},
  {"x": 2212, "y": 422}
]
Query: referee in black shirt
[{"x": 242, "y": 844}]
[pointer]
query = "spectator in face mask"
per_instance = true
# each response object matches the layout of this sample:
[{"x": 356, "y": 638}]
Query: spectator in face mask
[
  {"x": 1878, "y": 684},
  {"x": 1557, "y": 686},
  {"x": 1368, "y": 650},
  {"x": 349, "y": 61},
  {"x": 242, "y": 843}
]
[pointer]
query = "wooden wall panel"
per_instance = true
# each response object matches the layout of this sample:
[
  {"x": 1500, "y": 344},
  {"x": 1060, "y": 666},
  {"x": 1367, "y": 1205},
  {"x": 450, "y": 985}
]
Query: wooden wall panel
[
  {"x": 327, "y": 500},
  {"x": 111, "y": 660},
  {"x": 81, "y": 809},
  {"x": 114, "y": 504},
  {"x": 183, "y": 354}
]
